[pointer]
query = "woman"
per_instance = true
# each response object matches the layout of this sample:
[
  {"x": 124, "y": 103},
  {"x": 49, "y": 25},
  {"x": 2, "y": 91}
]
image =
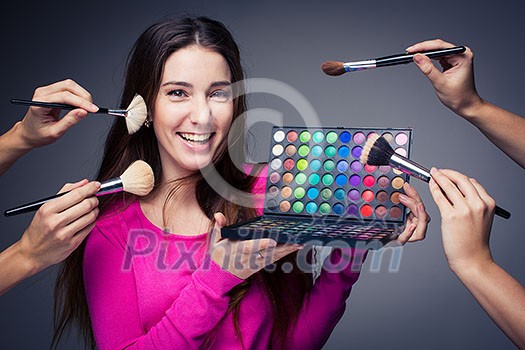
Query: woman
[{"x": 152, "y": 277}]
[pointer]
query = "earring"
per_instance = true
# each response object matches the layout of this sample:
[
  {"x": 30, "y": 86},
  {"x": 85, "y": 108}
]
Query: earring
[{"x": 148, "y": 122}]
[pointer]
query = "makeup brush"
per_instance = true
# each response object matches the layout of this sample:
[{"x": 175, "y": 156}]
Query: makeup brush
[
  {"x": 377, "y": 151},
  {"x": 135, "y": 114},
  {"x": 337, "y": 68},
  {"x": 136, "y": 179}
]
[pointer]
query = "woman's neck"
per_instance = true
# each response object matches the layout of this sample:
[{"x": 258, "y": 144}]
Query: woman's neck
[{"x": 174, "y": 208}]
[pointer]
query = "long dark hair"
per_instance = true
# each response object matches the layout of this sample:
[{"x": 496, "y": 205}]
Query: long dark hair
[{"x": 286, "y": 291}]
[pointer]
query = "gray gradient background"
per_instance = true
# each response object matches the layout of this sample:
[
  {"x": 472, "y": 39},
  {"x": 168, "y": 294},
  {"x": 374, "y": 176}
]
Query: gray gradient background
[{"x": 423, "y": 305}]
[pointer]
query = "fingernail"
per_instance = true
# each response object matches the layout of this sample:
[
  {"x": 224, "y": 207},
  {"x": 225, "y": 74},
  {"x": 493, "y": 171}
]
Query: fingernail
[
  {"x": 94, "y": 107},
  {"x": 97, "y": 184},
  {"x": 299, "y": 246},
  {"x": 433, "y": 171},
  {"x": 409, "y": 48},
  {"x": 418, "y": 58},
  {"x": 272, "y": 244}
]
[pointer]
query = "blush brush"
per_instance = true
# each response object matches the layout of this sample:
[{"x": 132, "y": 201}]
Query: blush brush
[
  {"x": 135, "y": 114},
  {"x": 338, "y": 68},
  {"x": 377, "y": 151},
  {"x": 137, "y": 179}
]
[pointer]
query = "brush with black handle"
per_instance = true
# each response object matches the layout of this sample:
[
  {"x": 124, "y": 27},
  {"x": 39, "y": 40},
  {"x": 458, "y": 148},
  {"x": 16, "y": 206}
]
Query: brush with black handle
[
  {"x": 335, "y": 68},
  {"x": 377, "y": 151}
]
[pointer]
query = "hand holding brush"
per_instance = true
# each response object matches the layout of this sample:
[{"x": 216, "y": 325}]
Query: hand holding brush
[
  {"x": 137, "y": 179},
  {"x": 377, "y": 151},
  {"x": 68, "y": 95}
]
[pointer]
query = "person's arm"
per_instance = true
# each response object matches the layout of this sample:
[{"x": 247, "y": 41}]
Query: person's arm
[
  {"x": 455, "y": 88},
  {"x": 57, "y": 229},
  {"x": 42, "y": 126},
  {"x": 467, "y": 211},
  {"x": 327, "y": 301}
]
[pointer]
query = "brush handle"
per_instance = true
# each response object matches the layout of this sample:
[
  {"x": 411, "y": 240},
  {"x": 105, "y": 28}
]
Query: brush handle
[
  {"x": 414, "y": 169},
  {"x": 107, "y": 187},
  {"x": 408, "y": 58},
  {"x": 65, "y": 106},
  {"x": 410, "y": 167}
]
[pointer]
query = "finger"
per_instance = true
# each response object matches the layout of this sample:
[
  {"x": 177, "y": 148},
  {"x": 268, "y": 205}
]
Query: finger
[
  {"x": 78, "y": 210},
  {"x": 220, "y": 222},
  {"x": 81, "y": 222},
  {"x": 489, "y": 201},
  {"x": 71, "y": 98},
  {"x": 283, "y": 250},
  {"x": 77, "y": 239},
  {"x": 439, "y": 198},
  {"x": 257, "y": 245},
  {"x": 428, "y": 68},
  {"x": 67, "y": 122},
  {"x": 71, "y": 186},
  {"x": 408, "y": 232},
  {"x": 450, "y": 189},
  {"x": 411, "y": 197},
  {"x": 429, "y": 45},
  {"x": 423, "y": 219},
  {"x": 71, "y": 198},
  {"x": 462, "y": 182},
  {"x": 63, "y": 85}
]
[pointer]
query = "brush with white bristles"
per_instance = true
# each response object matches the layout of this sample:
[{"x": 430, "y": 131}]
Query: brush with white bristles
[
  {"x": 135, "y": 114},
  {"x": 137, "y": 179},
  {"x": 377, "y": 151}
]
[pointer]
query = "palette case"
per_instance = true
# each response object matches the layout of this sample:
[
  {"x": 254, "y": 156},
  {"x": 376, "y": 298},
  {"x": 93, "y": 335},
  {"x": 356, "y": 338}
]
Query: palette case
[{"x": 318, "y": 192}]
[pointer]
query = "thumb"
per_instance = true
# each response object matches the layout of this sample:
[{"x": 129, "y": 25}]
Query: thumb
[
  {"x": 68, "y": 121},
  {"x": 220, "y": 222},
  {"x": 426, "y": 66}
]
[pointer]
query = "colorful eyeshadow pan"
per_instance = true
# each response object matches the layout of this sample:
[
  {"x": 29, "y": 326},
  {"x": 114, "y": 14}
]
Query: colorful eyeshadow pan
[{"x": 316, "y": 174}]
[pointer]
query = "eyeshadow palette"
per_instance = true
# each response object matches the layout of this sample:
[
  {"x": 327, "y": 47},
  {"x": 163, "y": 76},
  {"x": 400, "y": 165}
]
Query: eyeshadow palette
[{"x": 317, "y": 190}]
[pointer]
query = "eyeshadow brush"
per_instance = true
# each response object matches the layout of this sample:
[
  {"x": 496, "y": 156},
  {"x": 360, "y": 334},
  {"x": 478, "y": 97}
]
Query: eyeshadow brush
[
  {"x": 135, "y": 114},
  {"x": 338, "y": 68},
  {"x": 377, "y": 151},
  {"x": 137, "y": 179}
]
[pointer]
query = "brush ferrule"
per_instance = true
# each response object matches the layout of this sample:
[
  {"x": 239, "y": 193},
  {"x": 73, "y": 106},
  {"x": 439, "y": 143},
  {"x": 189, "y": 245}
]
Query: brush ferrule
[
  {"x": 110, "y": 186},
  {"x": 359, "y": 65},
  {"x": 409, "y": 167},
  {"x": 118, "y": 112}
]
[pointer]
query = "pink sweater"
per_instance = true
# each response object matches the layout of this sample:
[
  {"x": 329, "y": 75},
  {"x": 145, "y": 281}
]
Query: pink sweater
[{"x": 148, "y": 289}]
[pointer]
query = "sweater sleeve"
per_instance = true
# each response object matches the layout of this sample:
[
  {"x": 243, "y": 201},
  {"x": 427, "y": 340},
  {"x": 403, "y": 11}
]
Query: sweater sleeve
[
  {"x": 112, "y": 297},
  {"x": 326, "y": 303}
]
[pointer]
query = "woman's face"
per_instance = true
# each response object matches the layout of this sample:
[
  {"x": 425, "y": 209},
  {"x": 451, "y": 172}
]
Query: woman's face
[{"x": 193, "y": 110}]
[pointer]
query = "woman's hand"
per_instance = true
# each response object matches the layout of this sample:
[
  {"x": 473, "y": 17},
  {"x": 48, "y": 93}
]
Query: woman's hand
[
  {"x": 243, "y": 258},
  {"x": 418, "y": 218},
  {"x": 42, "y": 126},
  {"x": 454, "y": 85},
  {"x": 466, "y": 211},
  {"x": 60, "y": 225}
]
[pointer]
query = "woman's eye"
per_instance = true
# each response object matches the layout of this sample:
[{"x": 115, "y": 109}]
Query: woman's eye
[
  {"x": 221, "y": 95},
  {"x": 177, "y": 93}
]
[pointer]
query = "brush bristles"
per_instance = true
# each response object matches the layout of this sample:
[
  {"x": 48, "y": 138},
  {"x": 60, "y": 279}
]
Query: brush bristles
[
  {"x": 136, "y": 114},
  {"x": 377, "y": 151},
  {"x": 333, "y": 68},
  {"x": 138, "y": 178}
]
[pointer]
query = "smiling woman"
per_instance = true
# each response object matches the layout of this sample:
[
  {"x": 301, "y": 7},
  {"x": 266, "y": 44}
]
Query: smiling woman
[{"x": 156, "y": 272}]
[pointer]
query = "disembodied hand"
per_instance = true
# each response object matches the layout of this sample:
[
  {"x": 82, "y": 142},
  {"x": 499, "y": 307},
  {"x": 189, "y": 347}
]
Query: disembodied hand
[
  {"x": 60, "y": 225},
  {"x": 42, "y": 126},
  {"x": 454, "y": 84}
]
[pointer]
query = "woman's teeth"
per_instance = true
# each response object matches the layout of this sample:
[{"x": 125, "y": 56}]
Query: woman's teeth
[{"x": 195, "y": 138}]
